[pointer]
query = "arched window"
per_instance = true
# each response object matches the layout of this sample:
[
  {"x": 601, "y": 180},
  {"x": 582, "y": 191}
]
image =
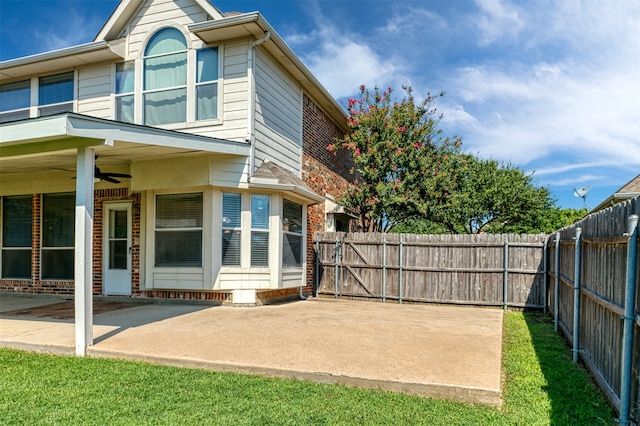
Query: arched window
[{"x": 165, "y": 78}]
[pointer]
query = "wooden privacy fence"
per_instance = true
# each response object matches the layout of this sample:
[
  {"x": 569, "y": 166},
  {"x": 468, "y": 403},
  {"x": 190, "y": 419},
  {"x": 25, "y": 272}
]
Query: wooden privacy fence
[
  {"x": 593, "y": 276},
  {"x": 488, "y": 270}
]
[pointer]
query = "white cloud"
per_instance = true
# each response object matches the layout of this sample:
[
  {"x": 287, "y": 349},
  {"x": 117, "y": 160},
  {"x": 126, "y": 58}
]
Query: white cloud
[
  {"x": 69, "y": 29},
  {"x": 498, "y": 20}
]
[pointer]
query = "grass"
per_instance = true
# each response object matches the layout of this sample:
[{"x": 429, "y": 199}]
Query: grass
[{"x": 541, "y": 387}]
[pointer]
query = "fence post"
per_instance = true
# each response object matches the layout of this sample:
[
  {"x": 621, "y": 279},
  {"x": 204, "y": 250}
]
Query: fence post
[
  {"x": 317, "y": 289},
  {"x": 337, "y": 265},
  {"x": 576, "y": 297},
  {"x": 400, "y": 271},
  {"x": 384, "y": 268},
  {"x": 545, "y": 277},
  {"x": 629, "y": 319},
  {"x": 556, "y": 281},
  {"x": 505, "y": 277}
]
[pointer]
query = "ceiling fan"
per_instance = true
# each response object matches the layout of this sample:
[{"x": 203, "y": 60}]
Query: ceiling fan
[
  {"x": 109, "y": 176},
  {"x": 99, "y": 175}
]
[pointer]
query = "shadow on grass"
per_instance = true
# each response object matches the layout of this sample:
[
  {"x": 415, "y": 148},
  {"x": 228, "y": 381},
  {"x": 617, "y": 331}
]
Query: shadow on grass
[{"x": 574, "y": 397}]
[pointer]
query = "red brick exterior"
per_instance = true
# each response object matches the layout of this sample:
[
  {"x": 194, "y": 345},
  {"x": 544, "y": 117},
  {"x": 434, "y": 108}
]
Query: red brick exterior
[
  {"x": 37, "y": 286},
  {"x": 325, "y": 172}
]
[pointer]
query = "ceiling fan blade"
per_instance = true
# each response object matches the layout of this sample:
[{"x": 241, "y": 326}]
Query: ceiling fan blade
[
  {"x": 122, "y": 175},
  {"x": 108, "y": 179}
]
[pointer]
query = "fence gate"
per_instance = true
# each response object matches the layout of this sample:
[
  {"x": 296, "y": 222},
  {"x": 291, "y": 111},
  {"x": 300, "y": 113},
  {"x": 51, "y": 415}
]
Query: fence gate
[{"x": 491, "y": 270}]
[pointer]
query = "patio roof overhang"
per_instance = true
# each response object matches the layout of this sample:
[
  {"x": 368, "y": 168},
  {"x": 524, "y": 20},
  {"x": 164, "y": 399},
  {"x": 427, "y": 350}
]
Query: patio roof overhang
[
  {"x": 53, "y": 140},
  {"x": 73, "y": 141}
]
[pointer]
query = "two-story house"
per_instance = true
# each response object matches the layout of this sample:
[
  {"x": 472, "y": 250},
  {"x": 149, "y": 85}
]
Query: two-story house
[{"x": 181, "y": 154}]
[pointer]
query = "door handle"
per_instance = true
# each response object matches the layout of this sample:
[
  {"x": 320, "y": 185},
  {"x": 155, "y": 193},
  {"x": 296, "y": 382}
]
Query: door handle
[{"x": 130, "y": 250}]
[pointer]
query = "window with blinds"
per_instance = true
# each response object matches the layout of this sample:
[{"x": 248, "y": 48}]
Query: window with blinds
[
  {"x": 15, "y": 99},
  {"x": 56, "y": 93},
  {"x": 58, "y": 228},
  {"x": 16, "y": 237},
  {"x": 178, "y": 230},
  {"x": 260, "y": 231},
  {"x": 292, "y": 234},
  {"x": 231, "y": 225}
]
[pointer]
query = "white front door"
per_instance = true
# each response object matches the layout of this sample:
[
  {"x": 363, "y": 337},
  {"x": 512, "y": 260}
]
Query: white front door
[{"x": 116, "y": 266}]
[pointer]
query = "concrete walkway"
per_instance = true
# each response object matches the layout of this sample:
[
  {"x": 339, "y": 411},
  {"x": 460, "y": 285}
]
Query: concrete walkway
[{"x": 435, "y": 351}]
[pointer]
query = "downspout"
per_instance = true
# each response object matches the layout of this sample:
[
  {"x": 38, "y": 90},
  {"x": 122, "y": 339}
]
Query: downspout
[{"x": 251, "y": 108}]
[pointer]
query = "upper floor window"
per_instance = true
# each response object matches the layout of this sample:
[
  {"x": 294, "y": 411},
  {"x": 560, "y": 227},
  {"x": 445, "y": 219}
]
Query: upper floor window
[
  {"x": 56, "y": 93},
  {"x": 207, "y": 84},
  {"x": 165, "y": 78},
  {"x": 15, "y": 99},
  {"x": 125, "y": 84}
]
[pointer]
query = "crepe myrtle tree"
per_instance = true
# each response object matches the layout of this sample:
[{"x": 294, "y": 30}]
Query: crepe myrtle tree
[{"x": 403, "y": 165}]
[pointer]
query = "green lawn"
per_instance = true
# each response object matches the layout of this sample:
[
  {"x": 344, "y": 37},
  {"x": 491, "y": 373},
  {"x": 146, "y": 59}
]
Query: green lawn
[{"x": 542, "y": 387}]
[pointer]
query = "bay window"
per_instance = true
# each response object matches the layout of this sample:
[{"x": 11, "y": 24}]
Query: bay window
[
  {"x": 260, "y": 231},
  {"x": 58, "y": 230},
  {"x": 16, "y": 237},
  {"x": 178, "y": 230},
  {"x": 292, "y": 234},
  {"x": 231, "y": 225}
]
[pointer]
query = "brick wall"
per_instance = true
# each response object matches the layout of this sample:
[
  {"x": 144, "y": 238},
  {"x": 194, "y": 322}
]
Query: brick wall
[{"x": 326, "y": 173}]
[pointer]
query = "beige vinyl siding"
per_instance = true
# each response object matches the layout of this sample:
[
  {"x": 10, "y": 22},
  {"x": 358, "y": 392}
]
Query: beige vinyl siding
[
  {"x": 229, "y": 171},
  {"x": 292, "y": 278},
  {"x": 234, "y": 96},
  {"x": 237, "y": 278},
  {"x": 94, "y": 87},
  {"x": 156, "y": 13},
  {"x": 178, "y": 281},
  {"x": 278, "y": 118}
]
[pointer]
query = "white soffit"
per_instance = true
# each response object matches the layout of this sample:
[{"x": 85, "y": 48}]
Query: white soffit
[
  {"x": 50, "y": 62},
  {"x": 66, "y": 131}
]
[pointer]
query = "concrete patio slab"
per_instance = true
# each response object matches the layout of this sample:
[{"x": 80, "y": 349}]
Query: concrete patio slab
[{"x": 434, "y": 351}]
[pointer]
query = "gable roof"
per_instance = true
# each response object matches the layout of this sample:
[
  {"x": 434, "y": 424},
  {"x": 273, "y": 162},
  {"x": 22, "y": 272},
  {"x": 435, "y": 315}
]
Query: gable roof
[
  {"x": 629, "y": 190},
  {"x": 127, "y": 9}
]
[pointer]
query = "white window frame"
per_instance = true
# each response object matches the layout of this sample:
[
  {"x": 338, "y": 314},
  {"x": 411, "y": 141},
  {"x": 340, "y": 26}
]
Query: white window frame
[
  {"x": 191, "y": 85},
  {"x": 300, "y": 234},
  {"x": 57, "y": 107},
  {"x": 47, "y": 248},
  {"x": 118, "y": 95},
  {"x": 17, "y": 113},
  {"x": 4, "y": 248},
  {"x": 201, "y": 229},
  {"x": 231, "y": 229},
  {"x": 257, "y": 230}
]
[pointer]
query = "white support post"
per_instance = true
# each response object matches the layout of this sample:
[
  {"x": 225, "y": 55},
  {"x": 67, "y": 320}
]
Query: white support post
[{"x": 84, "y": 250}]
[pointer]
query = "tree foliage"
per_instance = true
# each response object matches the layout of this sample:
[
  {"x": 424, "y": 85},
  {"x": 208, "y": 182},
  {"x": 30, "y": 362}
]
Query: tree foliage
[
  {"x": 494, "y": 197},
  {"x": 409, "y": 177},
  {"x": 404, "y": 166}
]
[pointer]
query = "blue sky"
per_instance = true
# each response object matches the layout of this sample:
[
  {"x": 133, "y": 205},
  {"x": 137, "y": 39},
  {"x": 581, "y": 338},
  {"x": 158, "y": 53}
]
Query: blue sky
[{"x": 551, "y": 86}]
